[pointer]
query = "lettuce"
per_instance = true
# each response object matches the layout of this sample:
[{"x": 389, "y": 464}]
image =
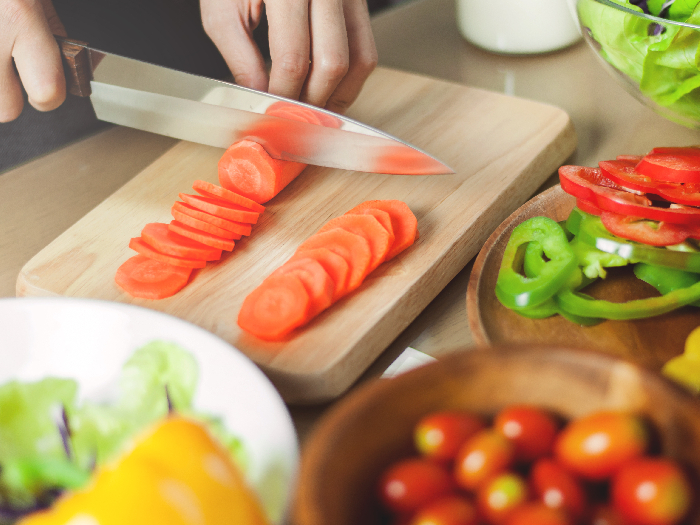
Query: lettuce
[{"x": 659, "y": 61}]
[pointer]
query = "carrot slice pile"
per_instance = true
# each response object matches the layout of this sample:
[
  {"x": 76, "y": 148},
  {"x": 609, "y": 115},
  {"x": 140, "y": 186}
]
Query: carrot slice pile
[
  {"x": 275, "y": 308},
  {"x": 329, "y": 264},
  {"x": 202, "y": 227},
  {"x": 146, "y": 278},
  {"x": 159, "y": 237}
]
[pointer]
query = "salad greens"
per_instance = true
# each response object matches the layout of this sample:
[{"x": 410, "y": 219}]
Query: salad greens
[
  {"x": 660, "y": 59},
  {"x": 51, "y": 441}
]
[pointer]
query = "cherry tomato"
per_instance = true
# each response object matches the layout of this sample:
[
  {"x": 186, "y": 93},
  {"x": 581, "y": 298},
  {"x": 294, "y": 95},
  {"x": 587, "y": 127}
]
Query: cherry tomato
[
  {"x": 448, "y": 510},
  {"x": 597, "y": 445},
  {"x": 531, "y": 430},
  {"x": 557, "y": 488},
  {"x": 537, "y": 513},
  {"x": 440, "y": 434},
  {"x": 497, "y": 498},
  {"x": 411, "y": 483},
  {"x": 483, "y": 455},
  {"x": 651, "y": 491}
]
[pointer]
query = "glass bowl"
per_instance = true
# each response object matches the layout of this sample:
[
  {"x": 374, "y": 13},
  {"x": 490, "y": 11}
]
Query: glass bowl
[{"x": 657, "y": 60}]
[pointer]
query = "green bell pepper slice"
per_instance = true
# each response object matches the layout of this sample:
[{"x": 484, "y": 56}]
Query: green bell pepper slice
[
  {"x": 516, "y": 290},
  {"x": 665, "y": 279}
]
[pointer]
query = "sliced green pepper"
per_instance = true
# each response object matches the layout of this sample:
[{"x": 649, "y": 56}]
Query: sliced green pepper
[
  {"x": 582, "y": 304},
  {"x": 593, "y": 233},
  {"x": 665, "y": 279},
  {"x": 516, "y": 290}
]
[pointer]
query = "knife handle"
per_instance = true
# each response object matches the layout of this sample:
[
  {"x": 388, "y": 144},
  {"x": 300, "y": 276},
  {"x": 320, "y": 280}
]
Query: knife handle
[{"x": 76, "y": 64}]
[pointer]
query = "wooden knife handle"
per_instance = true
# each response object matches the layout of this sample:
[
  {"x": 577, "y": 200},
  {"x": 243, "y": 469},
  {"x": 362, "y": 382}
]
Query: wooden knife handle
[{"x": 76, "y": 64}]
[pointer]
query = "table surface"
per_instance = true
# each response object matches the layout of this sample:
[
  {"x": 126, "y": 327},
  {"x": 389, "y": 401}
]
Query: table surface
[{"x": 41, "y": 199}]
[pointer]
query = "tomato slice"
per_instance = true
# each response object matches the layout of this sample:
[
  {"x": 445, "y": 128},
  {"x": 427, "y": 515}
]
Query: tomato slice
[
  {"x": 653, "y": 233},
  {"x": 591, "y": 185},
  {"x": 672, "y": 164}
]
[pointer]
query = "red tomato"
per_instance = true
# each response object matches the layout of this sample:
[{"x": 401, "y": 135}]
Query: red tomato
[
  {"x": 440, "y": 434},
  {"x": 589, "y": 184},
  {"x": 531, "y": 430},
  {"x": 652, "y": 491},
  {"x": 449, "y": 510},
  {"x": 412, "y": 483},
  {"x": 557, "y": 488},
  {"x": 536, "y": 513},
  {"x": 483, "y": 455},
  {"x": 498, "y": 497},
  {"x": 596, "y": 446}
]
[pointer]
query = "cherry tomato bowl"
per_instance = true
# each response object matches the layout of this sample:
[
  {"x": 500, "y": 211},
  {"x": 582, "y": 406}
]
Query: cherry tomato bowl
[{"x": 372, "y": 428}]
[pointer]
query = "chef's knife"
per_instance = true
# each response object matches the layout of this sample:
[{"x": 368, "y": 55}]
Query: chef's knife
[{"x": 198, "y": 109}]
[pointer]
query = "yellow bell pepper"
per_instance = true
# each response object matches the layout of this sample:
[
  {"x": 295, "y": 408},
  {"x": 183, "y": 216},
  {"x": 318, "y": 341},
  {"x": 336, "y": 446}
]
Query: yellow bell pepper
[
  {"x": 176, "y": 475},
  {"x": 685, "y": 368}
]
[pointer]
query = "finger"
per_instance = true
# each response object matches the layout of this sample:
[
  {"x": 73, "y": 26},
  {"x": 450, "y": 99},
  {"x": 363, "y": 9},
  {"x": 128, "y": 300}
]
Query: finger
[
  {"x": 288, "y": 22},
  {"x": 11, "y": 99},
  {"x": 38, "y": 62},
  {"x": 363, "y": 56},
  {"x": 232, "y": 33},
  {"x": 55, "y": 24},
  {"x": 330, "y": 57}
]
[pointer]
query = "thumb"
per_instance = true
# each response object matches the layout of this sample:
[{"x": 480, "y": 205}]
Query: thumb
[{"x": 55, "y": 23}]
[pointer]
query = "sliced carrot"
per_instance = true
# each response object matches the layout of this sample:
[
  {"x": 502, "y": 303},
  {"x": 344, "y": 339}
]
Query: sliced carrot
[
  {"x": 275, "y": 308},
  {"x": 294, "y": 112},
  {"x": 370, "y": 228},
  {"x": 352, "y": 247},
  {"x": 315, "y": 279},
  {"x": 201, "y": 236},
  {"x": 143, "y": 248},
  {"x": 159, "y": 237},
  {"x": 247, "y": 169},
  {"x": 336, "y": 266},
  {"x": 237, "y": 228},
  {"x": 186, "y": 218},
  {"x": 403, "y": 220},
  {"x": 221, "y": 208},
  {"x": 146, "y": 278},
  {"x": 384, "y": 219},
  {"x": 207, "y": 189}
]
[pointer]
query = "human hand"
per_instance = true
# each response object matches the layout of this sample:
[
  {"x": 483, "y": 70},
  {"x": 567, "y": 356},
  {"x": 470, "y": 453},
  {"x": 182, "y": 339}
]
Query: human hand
[
  {"x": 322, "y": 50},
  {"x": 26, "y": 35}
]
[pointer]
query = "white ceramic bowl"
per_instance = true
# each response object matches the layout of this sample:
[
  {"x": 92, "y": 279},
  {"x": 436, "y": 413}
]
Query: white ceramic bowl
[{"x": 89, "y": 341}]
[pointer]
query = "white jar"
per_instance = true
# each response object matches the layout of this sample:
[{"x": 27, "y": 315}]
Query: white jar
[{"x": 518, "y": 26}]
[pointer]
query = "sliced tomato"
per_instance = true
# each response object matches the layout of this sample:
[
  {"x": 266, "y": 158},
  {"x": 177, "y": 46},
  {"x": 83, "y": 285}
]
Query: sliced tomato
[
  {"x": 591, "y": 185},
  {"x": 672, "y": 164},
  {"x": 653, "y": 233}
]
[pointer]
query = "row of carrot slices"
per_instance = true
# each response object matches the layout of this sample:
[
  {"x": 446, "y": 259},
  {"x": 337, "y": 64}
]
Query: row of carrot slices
[
  {"x": 328, "y": 265},
  {"x": 203, "y": 226}
]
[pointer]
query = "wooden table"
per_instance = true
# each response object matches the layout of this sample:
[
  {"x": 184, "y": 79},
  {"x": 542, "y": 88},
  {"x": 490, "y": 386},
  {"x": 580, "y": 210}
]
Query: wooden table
[{"x": 41, "y": 199}]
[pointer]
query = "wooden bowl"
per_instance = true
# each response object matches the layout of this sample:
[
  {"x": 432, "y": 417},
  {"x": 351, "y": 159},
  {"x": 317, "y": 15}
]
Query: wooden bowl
[
  {"x": 372, "y": 427},
  {"x": 650, "y": 342}
]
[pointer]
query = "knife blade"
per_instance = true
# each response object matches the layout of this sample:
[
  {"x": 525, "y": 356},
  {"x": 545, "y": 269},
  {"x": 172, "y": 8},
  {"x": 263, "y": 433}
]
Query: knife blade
[{"x": 189, "y": 107}]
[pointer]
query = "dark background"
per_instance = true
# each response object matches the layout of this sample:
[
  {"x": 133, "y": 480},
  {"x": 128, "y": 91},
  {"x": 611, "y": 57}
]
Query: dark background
[{"x": 164, "y": 32}]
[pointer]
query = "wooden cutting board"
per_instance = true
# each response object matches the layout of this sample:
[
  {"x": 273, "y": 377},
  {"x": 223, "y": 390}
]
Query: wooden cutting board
[{"x": 502, "y": 149}]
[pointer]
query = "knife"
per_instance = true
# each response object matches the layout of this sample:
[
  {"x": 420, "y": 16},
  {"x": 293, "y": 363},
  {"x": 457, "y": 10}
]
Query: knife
[{"x": 189, "y": 107}]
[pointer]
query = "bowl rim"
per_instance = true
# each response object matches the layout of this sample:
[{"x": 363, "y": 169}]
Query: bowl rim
[{"x": 649, "y": 17}]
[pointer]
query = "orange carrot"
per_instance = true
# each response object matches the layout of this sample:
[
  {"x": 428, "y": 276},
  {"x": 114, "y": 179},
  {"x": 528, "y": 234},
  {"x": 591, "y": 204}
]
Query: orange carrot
[
  {"x": 141, "y": 247},
  {"x": 221, "y": 208},
  {"x": 146, "y": 278},
  {"x": 403, "y": 220},
  {"x": 336, "y": 266},
  {"x": 207, "y": 189},
  {"x": 159, "y": 237},
  {"x": 201, "y": 236},
  {"x": 274, "y": 308},
  {"x": 247, "y": 169},
  {"x": 352, "y": 247},
  {"x": 315, "y": 279},
  {"x": 237, "y": 228},
  {"x": 199, "y": 224},
  {"x": 369, "y": 227},
  {"x": 294, "y": 112}
]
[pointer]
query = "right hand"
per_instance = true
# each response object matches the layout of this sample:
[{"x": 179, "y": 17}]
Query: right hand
[{"x": 26, "y": 35}]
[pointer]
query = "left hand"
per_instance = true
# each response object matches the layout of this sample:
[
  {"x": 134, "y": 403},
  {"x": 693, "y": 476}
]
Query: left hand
[{"x": 322, "y": 50}]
